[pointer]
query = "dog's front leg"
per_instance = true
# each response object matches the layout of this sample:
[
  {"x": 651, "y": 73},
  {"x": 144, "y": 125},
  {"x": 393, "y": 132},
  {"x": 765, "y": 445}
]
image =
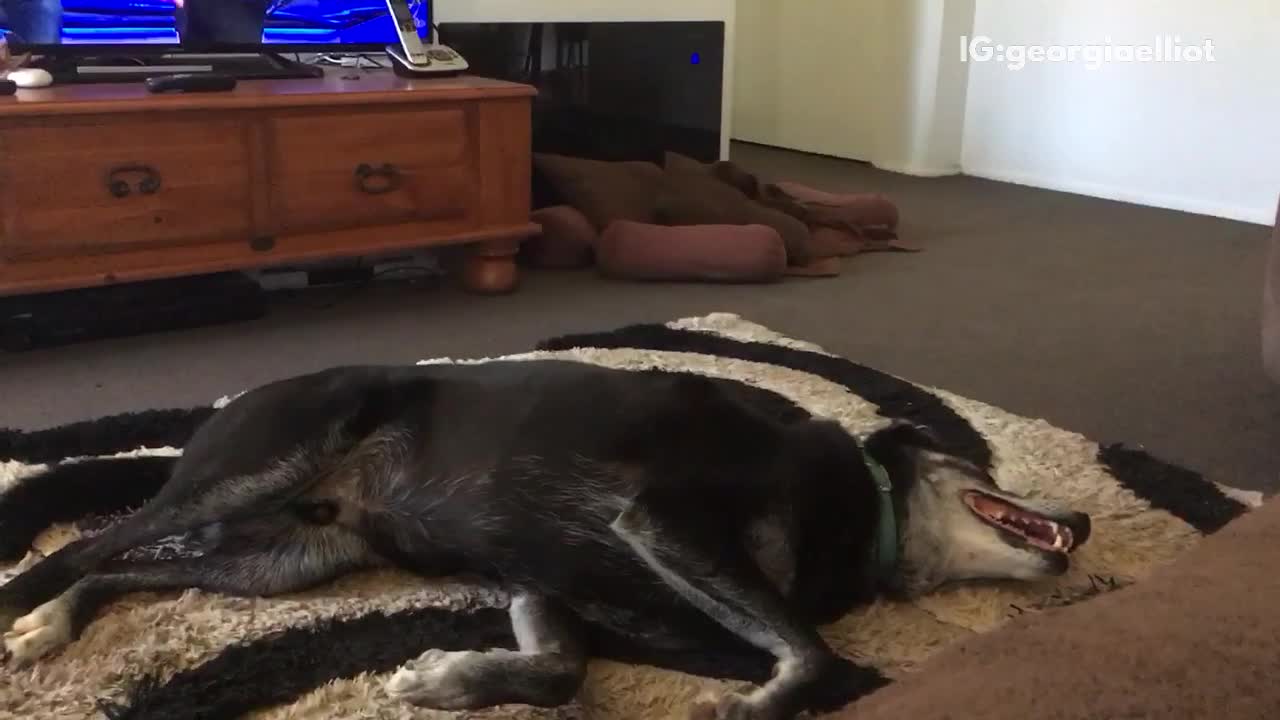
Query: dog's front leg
[
  {"x": 546, "y": 671},
  {"x": 713, "y": 573}
]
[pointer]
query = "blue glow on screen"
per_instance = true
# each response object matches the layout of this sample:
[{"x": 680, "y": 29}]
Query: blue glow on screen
[
  {"x": 330, "y": 22},
  {"x": 421, "y": 11}
]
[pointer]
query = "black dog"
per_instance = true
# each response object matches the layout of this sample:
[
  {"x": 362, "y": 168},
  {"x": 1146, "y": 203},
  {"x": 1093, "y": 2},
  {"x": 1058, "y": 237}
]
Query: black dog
[{"x": 665, "y": 507}]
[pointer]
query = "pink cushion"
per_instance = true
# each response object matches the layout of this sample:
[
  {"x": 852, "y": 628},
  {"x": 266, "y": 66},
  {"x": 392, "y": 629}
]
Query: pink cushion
[
  {"x": 566, "y": 241},
  {"x": 718, "y": 253}
]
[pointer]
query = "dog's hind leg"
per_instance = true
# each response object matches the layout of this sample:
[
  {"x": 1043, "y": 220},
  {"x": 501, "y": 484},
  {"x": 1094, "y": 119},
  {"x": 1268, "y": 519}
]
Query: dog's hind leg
[
  {"x": 301, "y": 561},
  {"x": 546, "y": 671},
  {"x": 198, "y": 495},
  {"x": 53, "y": 575},
  {"x": 58, "y": 572},
  {"x": 70, "y": 491},
  {"x": 712, "y": 572}
]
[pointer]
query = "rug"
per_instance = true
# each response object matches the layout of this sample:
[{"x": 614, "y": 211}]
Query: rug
[{"x": 327, "y": 653}]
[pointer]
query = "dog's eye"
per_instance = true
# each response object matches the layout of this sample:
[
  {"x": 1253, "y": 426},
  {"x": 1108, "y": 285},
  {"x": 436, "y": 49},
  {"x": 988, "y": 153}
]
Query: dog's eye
[{"x": 316, "y": 513}]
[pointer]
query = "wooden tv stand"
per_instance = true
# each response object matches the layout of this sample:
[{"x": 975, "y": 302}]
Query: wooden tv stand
[{"x": 108, "y": 183}]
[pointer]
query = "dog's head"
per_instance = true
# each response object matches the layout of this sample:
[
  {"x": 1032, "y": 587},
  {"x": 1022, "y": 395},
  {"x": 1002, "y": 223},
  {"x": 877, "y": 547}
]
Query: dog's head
[{"x": 956, "y": 524}]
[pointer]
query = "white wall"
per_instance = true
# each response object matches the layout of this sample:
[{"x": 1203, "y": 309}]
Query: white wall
[
  {"x": 923, "y": 87},
  {"x": 806, "y": 74},
  {"x": 858, "y": 79},
  {"x": 1198, "y": 137},
  {"x": 608, "y": 11}
]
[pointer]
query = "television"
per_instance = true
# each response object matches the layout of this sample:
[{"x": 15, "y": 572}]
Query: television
[{"x": 117, "y": 27}]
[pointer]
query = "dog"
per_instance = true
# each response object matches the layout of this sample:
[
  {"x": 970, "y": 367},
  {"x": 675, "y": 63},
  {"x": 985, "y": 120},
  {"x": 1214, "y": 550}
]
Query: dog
[{"x": 682, "y": 510}]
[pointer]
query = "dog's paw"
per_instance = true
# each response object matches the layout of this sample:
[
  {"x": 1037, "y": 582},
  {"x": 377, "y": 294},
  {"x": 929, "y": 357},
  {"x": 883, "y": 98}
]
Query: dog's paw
[
  {"x": 39, "y": 633},
  {"x": 733, "y": 706},
  {"x": 436, "y": 680}
]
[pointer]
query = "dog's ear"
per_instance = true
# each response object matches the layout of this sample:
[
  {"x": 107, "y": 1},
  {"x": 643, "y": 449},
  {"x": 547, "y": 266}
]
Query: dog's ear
[{"x": 900, "y": 437}]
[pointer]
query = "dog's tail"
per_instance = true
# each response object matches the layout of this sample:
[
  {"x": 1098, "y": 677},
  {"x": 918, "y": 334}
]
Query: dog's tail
[{"x": 73, "y": 490}]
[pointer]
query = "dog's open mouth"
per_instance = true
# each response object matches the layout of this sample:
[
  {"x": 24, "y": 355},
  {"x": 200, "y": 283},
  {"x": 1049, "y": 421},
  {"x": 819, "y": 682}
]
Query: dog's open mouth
[{"x": 1034, "y": 529}]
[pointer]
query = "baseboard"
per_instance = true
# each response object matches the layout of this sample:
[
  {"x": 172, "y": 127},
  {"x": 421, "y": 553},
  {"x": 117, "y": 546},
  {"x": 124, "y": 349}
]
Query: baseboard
[
  {"x": 915, "y": 170},
  {"x": 918, "y": 171},
  {"x": 1257, "y": 216}
]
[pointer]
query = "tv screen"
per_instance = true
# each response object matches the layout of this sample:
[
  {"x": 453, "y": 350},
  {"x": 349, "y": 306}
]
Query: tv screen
[{"x": 205, "y": 24}]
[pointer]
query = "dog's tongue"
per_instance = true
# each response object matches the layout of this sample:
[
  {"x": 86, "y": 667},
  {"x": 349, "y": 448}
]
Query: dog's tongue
[
  {"x": 1039, "y": 530},
  {"x": 1005, "y": 512},
  {"x": 992, "y": 507}
]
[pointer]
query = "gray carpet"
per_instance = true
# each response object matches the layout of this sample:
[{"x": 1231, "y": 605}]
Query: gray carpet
[{"x": 1121, "y": 322}]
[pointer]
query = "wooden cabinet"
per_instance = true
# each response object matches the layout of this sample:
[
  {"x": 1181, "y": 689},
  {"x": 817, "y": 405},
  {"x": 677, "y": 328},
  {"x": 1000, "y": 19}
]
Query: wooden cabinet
[
  {"x": 389, "y": 167},
  {"x": 105, "y": 183},
  {"x": 109, "y": 186}
]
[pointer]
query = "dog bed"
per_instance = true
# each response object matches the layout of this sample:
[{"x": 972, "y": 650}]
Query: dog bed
[
  {"x": 567, "y": 240},
  {"x": 327, "y": 653},
  {"x": 714, "y": 253}
]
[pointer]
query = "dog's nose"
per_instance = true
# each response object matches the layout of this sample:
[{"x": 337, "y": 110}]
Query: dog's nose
[{"x": 1081, "y": 527}]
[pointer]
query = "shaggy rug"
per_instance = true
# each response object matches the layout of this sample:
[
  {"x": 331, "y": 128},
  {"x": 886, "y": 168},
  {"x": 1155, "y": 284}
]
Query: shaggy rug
[{"x": 326, "y": 653}]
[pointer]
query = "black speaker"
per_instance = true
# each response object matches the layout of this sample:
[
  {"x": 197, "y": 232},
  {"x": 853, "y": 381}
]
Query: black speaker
[{"x": 60, "y": 318}]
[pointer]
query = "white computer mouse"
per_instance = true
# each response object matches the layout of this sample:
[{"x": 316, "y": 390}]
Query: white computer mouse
[{"x": 31, "y": 78}]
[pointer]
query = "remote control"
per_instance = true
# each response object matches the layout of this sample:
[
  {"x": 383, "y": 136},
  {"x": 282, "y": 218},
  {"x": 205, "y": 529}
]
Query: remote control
[{"x": 191, "y": 82}]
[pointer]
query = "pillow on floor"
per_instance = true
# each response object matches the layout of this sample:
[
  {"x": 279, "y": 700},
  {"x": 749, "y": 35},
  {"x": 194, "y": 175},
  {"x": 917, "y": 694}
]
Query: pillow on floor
[
  {"x": 603, "y": 191},
  {"x": 716, "y": 253},
  {"x": 566, "y": 242},
  {"x": 864, "y": 209},
  {"x": 840, "y": 225},
  {"x": 726, "y": 171},
  {"x": 697, "y": 198}
]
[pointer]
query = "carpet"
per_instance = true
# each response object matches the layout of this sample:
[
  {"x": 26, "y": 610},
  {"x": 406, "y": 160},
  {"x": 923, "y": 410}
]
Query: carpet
[{"x": 327, "y": 652}]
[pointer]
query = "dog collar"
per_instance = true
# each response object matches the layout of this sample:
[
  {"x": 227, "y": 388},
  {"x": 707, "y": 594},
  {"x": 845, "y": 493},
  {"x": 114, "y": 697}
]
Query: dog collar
[{"x": 885, "y": 549}]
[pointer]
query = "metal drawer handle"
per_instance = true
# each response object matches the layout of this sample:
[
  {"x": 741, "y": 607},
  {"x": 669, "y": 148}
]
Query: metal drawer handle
[
  {"x": 118, "y": 180},
  {"x": 377, "y": 180}
]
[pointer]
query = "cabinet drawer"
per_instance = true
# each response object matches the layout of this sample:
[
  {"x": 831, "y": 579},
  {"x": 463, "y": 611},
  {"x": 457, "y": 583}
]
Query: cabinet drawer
[
  {"x": 118, "y": 186},
  {"x": 355, "y": 169}
]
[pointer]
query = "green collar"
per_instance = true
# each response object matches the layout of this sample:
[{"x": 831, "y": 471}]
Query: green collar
[{"x": 885, "y": 550}]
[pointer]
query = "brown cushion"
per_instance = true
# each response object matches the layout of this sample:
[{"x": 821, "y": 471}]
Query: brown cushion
[
  {"x": 688, "y": 198},
  {"x": 1197, "y": 640},
  {"x": 862, "y": 209},
  {"x": 675, "y": 162},
  {"x": 603, "y": 191},
  {"x": 566, "y": 241},
  {"x": 720, "y": 253},
  {"x": 726, "y": 171}
]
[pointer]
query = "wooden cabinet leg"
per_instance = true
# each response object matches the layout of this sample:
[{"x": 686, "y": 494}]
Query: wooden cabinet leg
[{"x": 490, "y": 269}]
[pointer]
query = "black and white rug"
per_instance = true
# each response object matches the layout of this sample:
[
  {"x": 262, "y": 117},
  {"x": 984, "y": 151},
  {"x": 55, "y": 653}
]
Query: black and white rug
[{"x": 326, "y": 653}]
